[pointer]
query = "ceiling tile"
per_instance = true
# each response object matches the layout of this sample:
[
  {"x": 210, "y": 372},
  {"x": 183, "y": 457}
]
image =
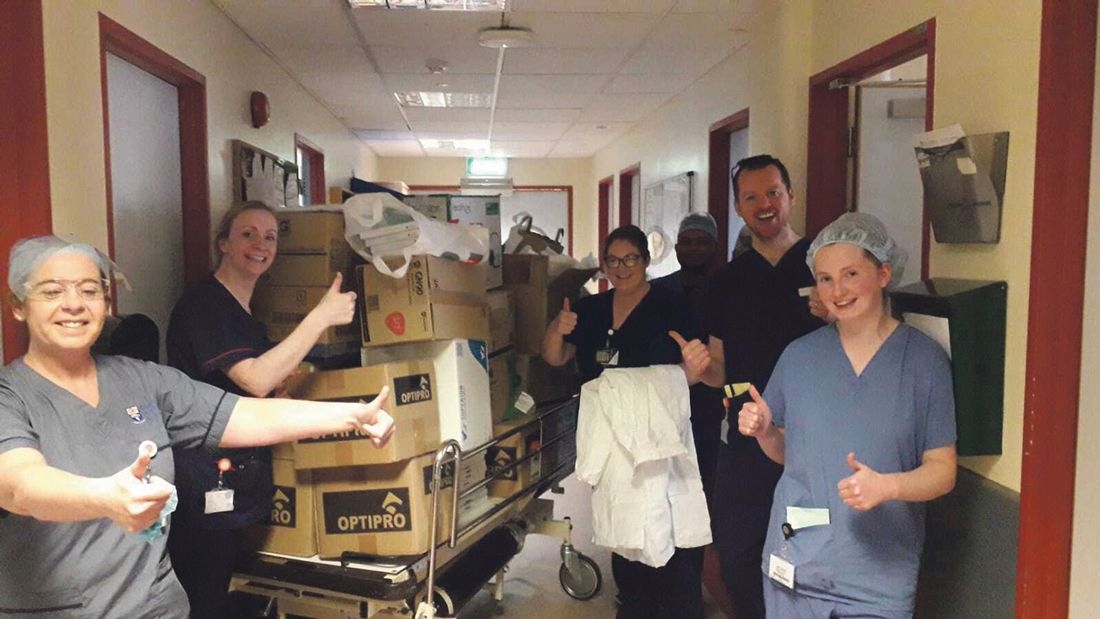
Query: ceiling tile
[
  {"x": 430, "y": 83},
  {"x": 707, "y": 6},
  {"x": 536, "y": 116},
  {"x": 528, "y": 131},
  {"x": 418, "y": 115},
  {"x": 539, "y": 60},
  {"x": 587, "y": 30},
  {"x": 505, "y": 148},
  {"x": 692, "y": 31},
  {"x": 411, "y": 29},
  {"x": 385, "y": 136},
  {"x": 451, "y": 131},
  {"x": 278, "y": 24},
  {"x": 621, "y": 108},
  {"x": 576, "y": 84},
  {"x": 681, "y": 61},
  {"x": 648, "y": 84},
  {"x": 596, "y": 131},
  {"x": 469, "y": 58},
  {"x": 543, "y": 100},
  {"x": 591, "y": 6}
]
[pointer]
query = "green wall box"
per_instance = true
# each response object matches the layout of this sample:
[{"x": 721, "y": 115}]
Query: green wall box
[{"x": 974, "y": 315}]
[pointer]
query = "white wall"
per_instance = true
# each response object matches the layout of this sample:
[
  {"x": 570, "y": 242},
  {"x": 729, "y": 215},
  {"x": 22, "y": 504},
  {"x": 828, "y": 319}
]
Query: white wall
[
  {"x": 201, "y": 37},
  {"x": 1084, "y": 594}
]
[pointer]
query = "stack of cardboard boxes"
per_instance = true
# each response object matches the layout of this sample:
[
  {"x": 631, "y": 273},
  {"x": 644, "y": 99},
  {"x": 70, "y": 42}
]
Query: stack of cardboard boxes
[{"x": 446, "y": 347}]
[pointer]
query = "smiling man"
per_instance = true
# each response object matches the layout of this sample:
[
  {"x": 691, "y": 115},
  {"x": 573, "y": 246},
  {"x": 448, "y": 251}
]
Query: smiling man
[{"x": 753, "y": 311}]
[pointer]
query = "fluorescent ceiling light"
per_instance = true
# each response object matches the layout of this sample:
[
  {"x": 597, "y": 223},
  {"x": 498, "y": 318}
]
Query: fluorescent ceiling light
[
  {"x": 472, "y": 145},
  {"x": 443, "y": 99},
  {"x": 498, "y": 6}
]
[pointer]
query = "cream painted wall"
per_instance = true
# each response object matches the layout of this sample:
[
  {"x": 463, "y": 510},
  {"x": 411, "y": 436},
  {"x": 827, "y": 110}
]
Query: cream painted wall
[
  {"x": 987, "y": 72},
  {"x": 200, "y": 36},
  {"x": 448, "y": 171},
  {"x": 1084, "y": 596},
  {"x": 675, "y": 139}
]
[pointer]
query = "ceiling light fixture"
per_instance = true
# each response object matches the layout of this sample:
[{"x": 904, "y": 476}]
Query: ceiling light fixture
[
  {"x": 504, "y": 37},
  {"x": 497, "y": 6}
]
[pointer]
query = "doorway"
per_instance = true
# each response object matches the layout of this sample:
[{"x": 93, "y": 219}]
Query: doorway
[
  {"x": 729, "y": 143},
  {"x": 603, "y": 197},
  {"x": 145, "y": 191},
  {"x": 831, "y": 163}
]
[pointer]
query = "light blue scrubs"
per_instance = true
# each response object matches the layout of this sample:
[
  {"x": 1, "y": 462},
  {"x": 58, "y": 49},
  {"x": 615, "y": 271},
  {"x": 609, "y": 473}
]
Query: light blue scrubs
[{"x": 901, "y": 406}]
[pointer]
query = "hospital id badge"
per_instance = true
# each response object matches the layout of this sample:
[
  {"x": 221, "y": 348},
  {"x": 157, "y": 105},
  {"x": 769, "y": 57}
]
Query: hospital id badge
[
  {"x": 781, "y": 570},
  {"x": 219, "y": 500},
  {"x": 607, "y": 357}
]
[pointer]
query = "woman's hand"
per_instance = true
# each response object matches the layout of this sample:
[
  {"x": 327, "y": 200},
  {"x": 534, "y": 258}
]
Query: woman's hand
[
  {"x": 696, "y": 357},
  {"x": 374, "y": 422},
  {"x": 866, "y": 488},
  {"x": 133, "y": 503},
  {"x": 335, "y": 308},
  {"x": 755, "y": 418},
  {"x": 817, "y": 307},
  {"x": 565, "y": 322}
]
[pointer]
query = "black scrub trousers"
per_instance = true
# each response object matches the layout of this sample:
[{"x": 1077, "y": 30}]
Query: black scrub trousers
[
  {"x": 754, "y": 308},
  {"x": 673, "y": 591}
]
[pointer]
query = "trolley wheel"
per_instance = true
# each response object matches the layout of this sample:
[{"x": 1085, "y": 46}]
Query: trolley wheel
[{"x": 584, "y": 582}]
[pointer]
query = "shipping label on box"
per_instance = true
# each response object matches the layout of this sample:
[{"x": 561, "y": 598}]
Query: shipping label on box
[
  {"x": 291, "y": 529},
  {"x": 462, "y": 384},
  {"x": 282, "y": 309},
  {"x": 510, "y": 450},
  {"x": 413, "y": 404},
  {"x": 310, "y": 231},
  {"x": 437, "y": 299}
]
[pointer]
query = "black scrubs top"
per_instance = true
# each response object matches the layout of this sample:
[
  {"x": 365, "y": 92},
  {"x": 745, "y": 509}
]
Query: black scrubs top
[
  {"x": 208, "y": 333},
  {"x": 642, "y": 340}
]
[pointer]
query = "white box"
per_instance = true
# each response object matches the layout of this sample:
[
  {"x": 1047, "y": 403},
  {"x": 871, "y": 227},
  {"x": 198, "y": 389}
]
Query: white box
[{"x": 462, "y": 384}]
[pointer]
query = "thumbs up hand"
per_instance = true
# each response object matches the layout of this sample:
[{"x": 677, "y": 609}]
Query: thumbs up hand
[
  {"x": 565, "y": 322},
  {"x": 132, "y": 501},
  {"x": 695, "y": 354},
  {"x": 866, "y": 488},
  {"x": 335, "y": 308},
  {"x": 755, "y": 418}
]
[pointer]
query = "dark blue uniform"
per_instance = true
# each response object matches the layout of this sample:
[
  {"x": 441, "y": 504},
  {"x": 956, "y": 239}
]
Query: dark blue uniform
[
  {"x": 208, "y": 333},
  {"x": 754, "y": 308}
]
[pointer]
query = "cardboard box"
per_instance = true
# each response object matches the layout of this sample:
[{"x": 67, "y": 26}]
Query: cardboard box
[
  {"x": 414, "y": 400},
  {"x": 309, "y": 231},
  {"x": 502, "y": 319},
  {"x": 291, "y": 530},
  {"x": 385, "y": 510},
  {"x": 544, "y": 382},
  {"x": 538, "y": 299},
  {"x": 437, "y": 299},
  {"x": 314, "y": 269},
  {"x": 481, "y": 211},
  {"x": 461, "y": 387},
  {"x": 282, "y": 309},
  {"x": 512, "y": 449},
  {"x": 504, "y": 385}
]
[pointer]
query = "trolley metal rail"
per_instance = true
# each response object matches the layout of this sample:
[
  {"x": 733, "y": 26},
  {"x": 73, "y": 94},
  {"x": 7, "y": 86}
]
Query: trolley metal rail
[{"x": 363, "y": 586}]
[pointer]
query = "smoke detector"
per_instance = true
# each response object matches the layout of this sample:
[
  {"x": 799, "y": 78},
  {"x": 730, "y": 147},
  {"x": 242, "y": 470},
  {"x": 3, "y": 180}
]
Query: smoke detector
[{"x": 505, "y": 36}]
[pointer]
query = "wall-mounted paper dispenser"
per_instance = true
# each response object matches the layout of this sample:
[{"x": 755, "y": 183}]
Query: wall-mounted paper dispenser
[
  {"x": 964, "y": 183},
  {"x": 967, "y": 318}
]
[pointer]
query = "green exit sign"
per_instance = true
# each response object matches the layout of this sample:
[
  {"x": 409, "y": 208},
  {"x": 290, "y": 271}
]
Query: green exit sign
[{"x": 487, "y": 167}]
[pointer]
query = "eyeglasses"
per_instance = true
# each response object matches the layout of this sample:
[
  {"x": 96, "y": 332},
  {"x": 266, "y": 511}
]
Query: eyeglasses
[
  {"x": 614, "y": 262},
  {"x": 54, "y": 289}
]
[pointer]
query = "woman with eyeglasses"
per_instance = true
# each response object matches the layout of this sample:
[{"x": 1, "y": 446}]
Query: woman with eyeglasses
[
  {"x": 213, "y": 337},
  {"x": 82, "y": 498},
  {"x": 635, "y": 325}
]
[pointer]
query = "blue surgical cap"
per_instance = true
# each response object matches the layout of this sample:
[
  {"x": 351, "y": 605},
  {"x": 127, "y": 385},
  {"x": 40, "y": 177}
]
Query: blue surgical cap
[
  {"x": 28, "y": 254},
  {"x": 699, "y": 221},
  {"x": 866, "y": 232}
]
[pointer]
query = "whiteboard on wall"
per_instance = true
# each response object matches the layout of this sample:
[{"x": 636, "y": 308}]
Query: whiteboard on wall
[{"x": 664, "y": 204}]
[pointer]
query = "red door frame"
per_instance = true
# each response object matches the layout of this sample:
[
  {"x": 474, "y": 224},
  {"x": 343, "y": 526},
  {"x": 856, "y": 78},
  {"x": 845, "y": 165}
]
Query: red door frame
[
  {"x": 626, "y": 194},
  {"x": 718, "y": 173},
  {"x": 604, "y": 204},
  {"x": 25, "y": 203},
  {"x": 1059, "y": 229},
  {"x": 316, "y": 157},
  {"x": 826, "y": 161},
  {"x": 191, "y": 86}
]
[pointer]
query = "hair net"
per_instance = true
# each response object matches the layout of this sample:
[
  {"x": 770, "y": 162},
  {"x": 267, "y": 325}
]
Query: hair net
[
  {"x": 699, "y": 221},
  {"x": 27, "y": 254},
  {"x": 866, "y": 232}
]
